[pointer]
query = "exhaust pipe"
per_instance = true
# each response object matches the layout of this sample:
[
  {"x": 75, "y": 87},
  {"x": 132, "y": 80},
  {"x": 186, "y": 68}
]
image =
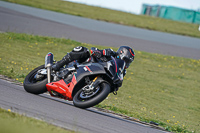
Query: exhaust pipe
[{"x": 48, "y": 65}]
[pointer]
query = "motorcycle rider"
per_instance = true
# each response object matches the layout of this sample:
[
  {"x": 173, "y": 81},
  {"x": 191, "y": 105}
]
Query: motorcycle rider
[{"x": 81, "y": 54}]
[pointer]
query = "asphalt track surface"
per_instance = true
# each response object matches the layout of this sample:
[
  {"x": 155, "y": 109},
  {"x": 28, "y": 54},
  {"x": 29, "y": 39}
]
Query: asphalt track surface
[
  {"x": 22, "y": 19},
  {"x": 64, "y": 114}
]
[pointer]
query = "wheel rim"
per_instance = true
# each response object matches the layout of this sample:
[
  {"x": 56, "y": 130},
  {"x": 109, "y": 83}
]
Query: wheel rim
[
  {"x": 32, "y": 79},
  {"x": 86, "y": 95}
]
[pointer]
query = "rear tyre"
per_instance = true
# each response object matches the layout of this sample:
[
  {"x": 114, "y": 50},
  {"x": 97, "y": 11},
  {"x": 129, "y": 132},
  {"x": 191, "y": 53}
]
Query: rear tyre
[
  {"x": 98, "y": 96},
  {"x": 34, "y": 86}
]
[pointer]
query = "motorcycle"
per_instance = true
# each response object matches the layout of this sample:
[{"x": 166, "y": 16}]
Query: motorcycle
[{"x": 86, "y": 84}]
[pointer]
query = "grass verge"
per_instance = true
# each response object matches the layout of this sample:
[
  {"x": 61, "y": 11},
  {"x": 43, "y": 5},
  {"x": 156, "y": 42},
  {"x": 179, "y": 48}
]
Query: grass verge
[
  {"x": 142, "y": 21},
  {"x": 15, "y": 123},
  {"x": 159, "y": 88}
]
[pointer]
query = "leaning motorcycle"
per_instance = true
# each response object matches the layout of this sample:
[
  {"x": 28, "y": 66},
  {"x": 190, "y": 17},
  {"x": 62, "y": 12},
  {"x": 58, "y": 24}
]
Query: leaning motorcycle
[{"x": 87, "y": 84}]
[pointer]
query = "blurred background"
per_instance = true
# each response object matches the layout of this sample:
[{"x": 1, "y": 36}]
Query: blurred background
[{"x": 178, "y": 10}]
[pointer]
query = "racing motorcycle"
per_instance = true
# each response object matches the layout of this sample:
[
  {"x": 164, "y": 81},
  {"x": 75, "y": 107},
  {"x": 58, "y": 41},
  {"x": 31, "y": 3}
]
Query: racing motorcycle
[{"x": 87, "y": 83}]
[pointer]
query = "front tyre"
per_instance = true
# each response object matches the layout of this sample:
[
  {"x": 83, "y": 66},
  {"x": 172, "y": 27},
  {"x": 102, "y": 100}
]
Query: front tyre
[
  {"x": 34, "y": 86},
  {"x": 101, "y": 92}
]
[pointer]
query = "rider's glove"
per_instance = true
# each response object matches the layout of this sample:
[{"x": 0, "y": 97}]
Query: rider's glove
[
  {"x": 108, "y": 52},
  {"x": 97, "y": 53}
]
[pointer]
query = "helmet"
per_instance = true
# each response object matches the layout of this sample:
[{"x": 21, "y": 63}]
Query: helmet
[{"x": 127, "y": 54}]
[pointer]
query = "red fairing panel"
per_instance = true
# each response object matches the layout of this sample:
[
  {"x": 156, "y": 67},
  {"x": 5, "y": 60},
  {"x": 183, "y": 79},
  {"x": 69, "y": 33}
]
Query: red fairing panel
[{"x": 62, "y": 88}]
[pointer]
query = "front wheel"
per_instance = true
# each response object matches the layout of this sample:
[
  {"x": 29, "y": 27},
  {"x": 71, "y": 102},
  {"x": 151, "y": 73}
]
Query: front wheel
[
  {"x": 86, "y": 100},
  {"x": 34, "y": 85}
]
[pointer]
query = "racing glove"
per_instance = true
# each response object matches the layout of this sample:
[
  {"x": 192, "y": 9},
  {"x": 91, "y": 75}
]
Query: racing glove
[
  {"x": 109, "y": 52},
  {"x": 96, "y": 52}
]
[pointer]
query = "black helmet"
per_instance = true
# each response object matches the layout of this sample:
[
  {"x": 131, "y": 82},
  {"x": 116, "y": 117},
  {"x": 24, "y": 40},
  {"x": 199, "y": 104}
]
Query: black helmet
[{"x": 127, "y": 54}]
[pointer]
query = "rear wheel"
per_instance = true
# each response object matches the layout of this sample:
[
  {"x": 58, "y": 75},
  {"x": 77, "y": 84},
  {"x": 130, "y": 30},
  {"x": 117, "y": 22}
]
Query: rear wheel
[
  {"x": 83, "y": 99},
  {"x": 35, "y": 85}
]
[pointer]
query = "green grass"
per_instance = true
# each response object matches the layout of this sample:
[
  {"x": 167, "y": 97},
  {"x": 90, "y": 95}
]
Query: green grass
[
  {"x": 15, "y": 123},
  {"x": 159, "y": 88},
  {"x": 113, "y": 16}
]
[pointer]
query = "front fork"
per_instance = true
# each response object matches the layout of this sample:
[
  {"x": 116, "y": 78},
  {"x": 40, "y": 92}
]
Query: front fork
[
  {"x": 95, "y": 82},
  {"x": 48, "y": 65}
]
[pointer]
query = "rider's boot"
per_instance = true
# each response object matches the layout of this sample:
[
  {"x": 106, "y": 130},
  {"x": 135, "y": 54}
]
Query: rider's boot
[{"x": 66, "y": 60}]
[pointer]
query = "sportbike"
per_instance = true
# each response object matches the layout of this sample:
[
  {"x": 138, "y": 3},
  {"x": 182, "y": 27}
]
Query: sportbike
[{"x": 86, "y": 84}]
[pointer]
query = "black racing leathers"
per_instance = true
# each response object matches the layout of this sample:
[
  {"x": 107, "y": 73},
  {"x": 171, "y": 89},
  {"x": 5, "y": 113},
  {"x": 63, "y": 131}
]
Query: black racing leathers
[{"x": 78, "y": 53}]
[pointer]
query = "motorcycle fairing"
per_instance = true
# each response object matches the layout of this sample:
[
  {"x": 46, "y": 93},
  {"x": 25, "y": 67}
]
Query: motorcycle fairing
[
  {"x": 115, "y": 70},
  {"x": 67, "y": 91},
  {"x": 61, "y": 89},
  {"x": 89, "y": 69}
]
